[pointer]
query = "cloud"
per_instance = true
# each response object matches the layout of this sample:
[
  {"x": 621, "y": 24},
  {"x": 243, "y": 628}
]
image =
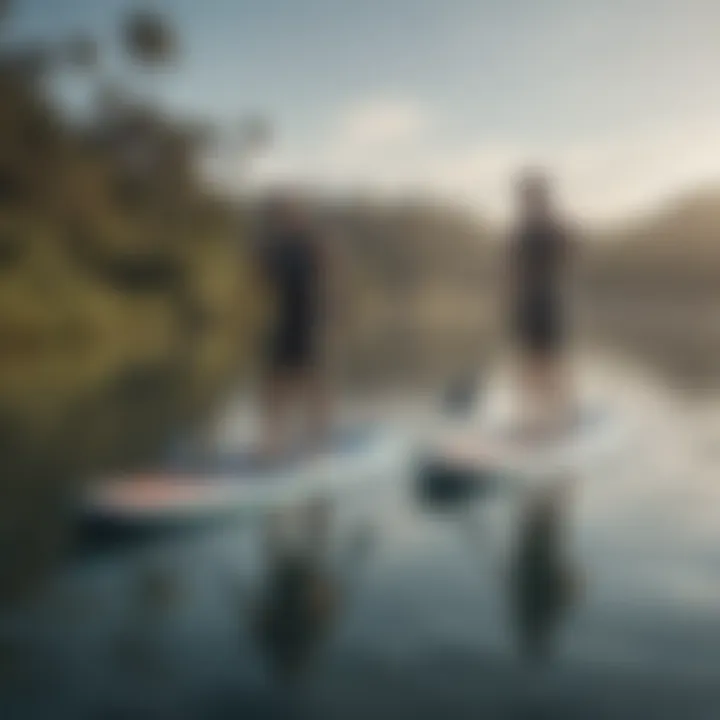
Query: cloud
[
  {"x": 380, "y": 124},
  {"x": 378, "y": 144},
  {"x": 393, "y": 147}
]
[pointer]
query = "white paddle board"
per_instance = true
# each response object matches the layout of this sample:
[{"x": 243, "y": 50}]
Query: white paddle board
[
  {"x": 500, "y": 448},
  {"x": 231, "y": 483}
]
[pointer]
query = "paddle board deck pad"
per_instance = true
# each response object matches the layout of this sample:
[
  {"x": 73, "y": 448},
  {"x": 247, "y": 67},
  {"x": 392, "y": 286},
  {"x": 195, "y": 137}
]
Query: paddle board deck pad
[
  {"x": 194, "y": 488},
  {"x": 488, "y": 448}
]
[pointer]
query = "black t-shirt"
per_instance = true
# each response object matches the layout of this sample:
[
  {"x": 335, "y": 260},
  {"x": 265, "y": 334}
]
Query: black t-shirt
[
  {"x": 292, "y": 265},
  {"x": 539, "y": 255}
]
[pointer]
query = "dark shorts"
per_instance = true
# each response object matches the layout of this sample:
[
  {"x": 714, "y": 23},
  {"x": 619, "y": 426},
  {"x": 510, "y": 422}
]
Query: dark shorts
[
  {"x": 539, "y": 326},
  {"x": 293, "y": 347}
]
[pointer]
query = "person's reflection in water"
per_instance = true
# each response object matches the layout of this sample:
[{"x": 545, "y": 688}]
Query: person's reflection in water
[
  {"x": 14, "y": 663},
  {"x": 153, "y": 596},
  {"x": 300, "y": 598},
  {"x": 544, "y": 585}
]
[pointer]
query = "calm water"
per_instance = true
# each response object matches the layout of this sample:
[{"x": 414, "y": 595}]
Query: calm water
[{"x": 404, "y": 607}]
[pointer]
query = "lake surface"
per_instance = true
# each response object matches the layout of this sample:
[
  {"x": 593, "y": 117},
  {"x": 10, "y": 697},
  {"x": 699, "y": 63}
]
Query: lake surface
[{"x": 403, "y": 608}]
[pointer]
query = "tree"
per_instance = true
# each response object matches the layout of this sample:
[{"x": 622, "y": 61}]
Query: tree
[
  {"x": 82, "y": 53},
  {"x": 148, "y": 38},
  {"x": 255, "y": 133},
  {"x": 5, "y": 9}
]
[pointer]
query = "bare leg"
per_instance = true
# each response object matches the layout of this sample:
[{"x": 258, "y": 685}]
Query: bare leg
[
  {"x": 318, "y": 403},
  {"x": 556, "y": 392},
  {"x": 562, "y": 393},
  {"x": 547, "y": 397},
  {"x": 532, "y": 386},
  {"x": 277, "y": 394}
]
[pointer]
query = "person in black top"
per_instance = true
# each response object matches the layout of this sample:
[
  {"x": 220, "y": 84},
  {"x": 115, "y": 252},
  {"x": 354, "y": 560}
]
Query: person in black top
[
  {"x": 294, "y": 261},
  {"x": 540, "y": 255}
]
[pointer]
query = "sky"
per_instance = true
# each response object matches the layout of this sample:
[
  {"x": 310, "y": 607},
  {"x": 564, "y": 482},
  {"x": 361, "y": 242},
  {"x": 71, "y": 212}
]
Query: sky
[{"x": 619, "y": 99}]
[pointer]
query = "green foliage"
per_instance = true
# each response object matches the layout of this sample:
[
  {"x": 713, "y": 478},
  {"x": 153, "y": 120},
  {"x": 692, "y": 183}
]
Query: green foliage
[
  {"x": 5, "y": 9},
  {"x": 148, "y": 38},
  {"x": 126, "y": 307},
  {"x": 82, "y": 52}
]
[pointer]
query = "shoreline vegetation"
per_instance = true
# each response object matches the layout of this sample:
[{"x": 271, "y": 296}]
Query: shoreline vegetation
[{"x": 129, "y": 308}]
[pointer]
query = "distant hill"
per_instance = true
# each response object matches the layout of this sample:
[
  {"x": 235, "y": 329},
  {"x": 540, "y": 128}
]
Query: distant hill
[
  {"x": 676, "y": 248},
  {"x": 694, "y": 216},
  {"x": 413, "y": 244},
  {"x": 418, "y": 248}
]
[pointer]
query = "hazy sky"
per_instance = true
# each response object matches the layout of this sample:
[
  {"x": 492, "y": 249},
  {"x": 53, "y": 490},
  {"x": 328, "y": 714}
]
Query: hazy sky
[{"x": 620, "y": 97}]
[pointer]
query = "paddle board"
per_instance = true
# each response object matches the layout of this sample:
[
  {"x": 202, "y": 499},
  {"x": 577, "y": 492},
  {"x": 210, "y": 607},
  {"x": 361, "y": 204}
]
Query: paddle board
[
  {"x": 192, "y": 488},
  {"x": 490, "y": 449}
]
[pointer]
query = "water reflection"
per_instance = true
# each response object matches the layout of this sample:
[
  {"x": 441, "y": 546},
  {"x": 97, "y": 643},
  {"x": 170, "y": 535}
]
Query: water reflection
[
  {"x": 434, "y": 625},
  {"x": 461, "y": 395},
  {"x": 12, "y": 662},
  {"x": 543, "y": 581},
  {"x": 522, "y": 528},
  {"x": 155, "y": 593},
  {"x": 300, "y": 598},
  {"x": 309, "y": 576}
]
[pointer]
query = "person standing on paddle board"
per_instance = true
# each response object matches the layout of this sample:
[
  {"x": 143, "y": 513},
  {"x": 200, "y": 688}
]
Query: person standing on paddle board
[
  {"x": 540, "y": 258},
  {"x": 295, "y": 263}
]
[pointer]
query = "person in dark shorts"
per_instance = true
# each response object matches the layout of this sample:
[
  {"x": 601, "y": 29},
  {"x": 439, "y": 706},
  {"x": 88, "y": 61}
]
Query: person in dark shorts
[
  {"x": 540, "y": 255},
  {"x": 294, "y": 261}
]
